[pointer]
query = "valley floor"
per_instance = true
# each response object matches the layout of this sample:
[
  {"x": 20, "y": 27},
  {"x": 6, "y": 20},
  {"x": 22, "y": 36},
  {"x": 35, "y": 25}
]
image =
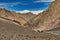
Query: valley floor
[{"x": 11, "y": 31}]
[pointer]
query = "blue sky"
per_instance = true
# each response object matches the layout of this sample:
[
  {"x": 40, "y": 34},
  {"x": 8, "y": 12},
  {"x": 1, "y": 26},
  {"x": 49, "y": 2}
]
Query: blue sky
[{"x": 21, "y": 5}]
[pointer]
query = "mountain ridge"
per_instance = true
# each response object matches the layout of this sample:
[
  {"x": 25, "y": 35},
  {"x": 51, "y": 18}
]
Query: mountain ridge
[
  {"x": 15, "y": 17},
  {"x": 48, "y": 19}
]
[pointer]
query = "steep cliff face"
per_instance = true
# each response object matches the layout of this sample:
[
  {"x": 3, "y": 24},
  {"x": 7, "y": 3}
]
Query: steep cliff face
[{"x": 49, "y": 19}]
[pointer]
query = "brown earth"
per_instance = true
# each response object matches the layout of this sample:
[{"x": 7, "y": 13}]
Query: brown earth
[
  {"x": 16, "y": 17},
  {"x": 11, "y": 31},
  {"x": 47, "y": 20}
]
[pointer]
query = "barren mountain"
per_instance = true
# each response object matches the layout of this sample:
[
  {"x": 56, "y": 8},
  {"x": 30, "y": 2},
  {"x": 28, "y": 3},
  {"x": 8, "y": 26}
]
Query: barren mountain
[
  {"x": 48, "y": 19},
  {"x": 16, "y": 17},
  {"x": 27, "y": 16}
]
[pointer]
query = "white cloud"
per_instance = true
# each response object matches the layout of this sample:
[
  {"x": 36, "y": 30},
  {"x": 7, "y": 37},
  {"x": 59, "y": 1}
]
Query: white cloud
[
  {"x": 24, "y": 11},
  {"x": 37, "y": 1},
  {"x": 34, "y": 12},
  {"x": 7, "y": 4},
  {"x": 11, "y": 4}
]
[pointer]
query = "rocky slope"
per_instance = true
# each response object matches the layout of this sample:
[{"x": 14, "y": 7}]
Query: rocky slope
[
  {"x": 27, "y": 16},
  {"x": 11, "y": 31},
  {"x": 48, "y": 19},
  {"x": 15, "y": 17}
]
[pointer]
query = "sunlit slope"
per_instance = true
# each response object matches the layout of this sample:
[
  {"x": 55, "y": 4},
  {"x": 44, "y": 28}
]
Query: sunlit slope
[{"x": 48, "y": 19}]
